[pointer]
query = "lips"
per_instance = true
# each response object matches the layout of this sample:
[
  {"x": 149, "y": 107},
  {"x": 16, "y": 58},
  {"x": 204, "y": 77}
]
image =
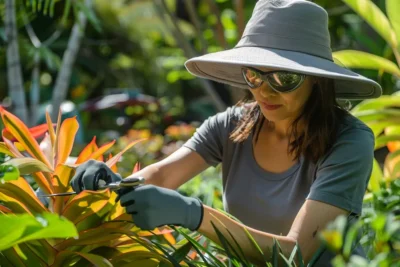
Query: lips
[{"x": 270, "y": 106}]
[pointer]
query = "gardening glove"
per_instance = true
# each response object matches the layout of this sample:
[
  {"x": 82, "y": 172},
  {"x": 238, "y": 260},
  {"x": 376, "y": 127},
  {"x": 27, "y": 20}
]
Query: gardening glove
[
  {"x": 152, "y": 206},
  {"x": 87, "y": 176}
]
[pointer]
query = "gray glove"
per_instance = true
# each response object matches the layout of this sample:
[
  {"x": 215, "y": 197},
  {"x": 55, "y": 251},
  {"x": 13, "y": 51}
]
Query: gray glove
[
  {"x": 87, "y": 175},
  {"x": 152, "y": 206}
]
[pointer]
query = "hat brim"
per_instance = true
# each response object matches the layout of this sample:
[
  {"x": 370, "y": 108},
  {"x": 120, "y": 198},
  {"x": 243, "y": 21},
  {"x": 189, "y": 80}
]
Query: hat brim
[{"x": 225, "y": 67}]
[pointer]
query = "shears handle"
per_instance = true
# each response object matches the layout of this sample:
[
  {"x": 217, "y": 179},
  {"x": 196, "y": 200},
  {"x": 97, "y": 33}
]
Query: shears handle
[{"x": 127, "y": 182}]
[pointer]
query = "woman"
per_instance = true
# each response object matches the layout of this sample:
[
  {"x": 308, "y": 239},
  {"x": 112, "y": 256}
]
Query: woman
[{"x": 292, "y": 159}]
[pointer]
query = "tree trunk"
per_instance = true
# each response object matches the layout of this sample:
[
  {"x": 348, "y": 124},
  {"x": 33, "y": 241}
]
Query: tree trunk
[
  {"x": 63, "y": 78},
  {"x": 14, "y": 73},
  {"x": 35, "y": 89}
]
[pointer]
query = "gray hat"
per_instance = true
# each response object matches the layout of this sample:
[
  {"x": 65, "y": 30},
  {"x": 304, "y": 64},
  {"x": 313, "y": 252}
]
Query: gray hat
[{"x": 289, "y": 35}]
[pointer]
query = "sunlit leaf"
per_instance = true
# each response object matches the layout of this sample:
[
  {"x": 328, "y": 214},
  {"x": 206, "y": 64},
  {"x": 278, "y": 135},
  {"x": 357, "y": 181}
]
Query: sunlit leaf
[
  {"x": 19, "y": 130},
  {"x": 50, "y": 127},
  {"x": 382, "y": 102},
  {"x": 28, "y": 165},
  {"x": 8, "y": 172},
  {"x": 23, "y": 191},
  {"x": 66, "y": 139},
  {"x": 115, "y": 159},
  {"x": 4, "y": 149},
  {"x": 362, "y": 60},
  {"x": 392, "y": 10},
  {"x": 376, "y": 177},
  {"x": 66, "y": 258},
  {"x": 87, "y": 151},
  {"x": 375, "y": 18},
  {"x": 23, "y": 227},
  {"x": 99, "y": 152}
]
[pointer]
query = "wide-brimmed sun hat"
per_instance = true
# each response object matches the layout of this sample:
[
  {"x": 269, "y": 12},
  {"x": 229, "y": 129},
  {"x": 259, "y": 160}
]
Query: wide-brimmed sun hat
[{"x": 289, "y": 35}]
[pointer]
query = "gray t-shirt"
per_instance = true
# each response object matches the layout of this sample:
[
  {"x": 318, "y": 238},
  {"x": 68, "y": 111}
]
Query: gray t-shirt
[{"x": 270, "y": 201}]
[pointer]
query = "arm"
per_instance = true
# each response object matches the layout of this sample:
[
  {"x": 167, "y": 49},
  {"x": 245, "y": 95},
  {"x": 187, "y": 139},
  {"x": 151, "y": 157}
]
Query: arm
[
  {"x": 174, "y": 170},
  {"x": 312, "y": 217}
]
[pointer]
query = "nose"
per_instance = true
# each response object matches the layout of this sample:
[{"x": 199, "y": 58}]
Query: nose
[{"x": 266, "y": 91}]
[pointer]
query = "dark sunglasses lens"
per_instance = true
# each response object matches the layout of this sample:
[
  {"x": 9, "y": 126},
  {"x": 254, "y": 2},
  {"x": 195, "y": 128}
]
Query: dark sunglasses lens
[
  {"x": 284, "y": 81},
  {"x": 252, "y": 78}
]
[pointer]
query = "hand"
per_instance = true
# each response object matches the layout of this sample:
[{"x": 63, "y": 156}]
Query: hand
[
  {"x": 152, "y": 206},
  {"x": 85, "y": 175}
]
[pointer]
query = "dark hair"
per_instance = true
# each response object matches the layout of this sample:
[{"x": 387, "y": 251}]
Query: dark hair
[{"x": 322, "y": 116}]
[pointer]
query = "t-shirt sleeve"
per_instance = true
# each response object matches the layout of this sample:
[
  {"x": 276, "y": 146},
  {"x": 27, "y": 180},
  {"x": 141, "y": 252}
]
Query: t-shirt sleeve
[
  {"x": 210, "y": 138},
  {"x": 342, "y": 175}
]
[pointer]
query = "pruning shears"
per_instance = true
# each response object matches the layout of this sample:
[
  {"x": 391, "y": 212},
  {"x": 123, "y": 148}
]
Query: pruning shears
[{"x": 102, "y": 184}]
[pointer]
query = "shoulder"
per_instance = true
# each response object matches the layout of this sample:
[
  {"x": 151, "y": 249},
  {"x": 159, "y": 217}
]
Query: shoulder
[
  {"x": 354, "y": 139},
  {"x": 354, "y": 128},
  {"x": 230, "y": 117}
]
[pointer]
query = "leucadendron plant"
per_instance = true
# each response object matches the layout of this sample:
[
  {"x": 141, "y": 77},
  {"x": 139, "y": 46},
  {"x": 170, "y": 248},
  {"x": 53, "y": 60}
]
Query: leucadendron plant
[{"x": 81, "y": 230}]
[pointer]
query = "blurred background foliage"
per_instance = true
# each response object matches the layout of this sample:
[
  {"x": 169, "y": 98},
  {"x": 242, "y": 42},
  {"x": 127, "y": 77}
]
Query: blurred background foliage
[{"x": 127, "y": 80}]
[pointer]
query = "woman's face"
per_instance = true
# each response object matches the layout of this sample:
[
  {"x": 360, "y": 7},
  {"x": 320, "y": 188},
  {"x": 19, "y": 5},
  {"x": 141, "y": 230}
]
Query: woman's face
[{"x": 277, "y": 106}]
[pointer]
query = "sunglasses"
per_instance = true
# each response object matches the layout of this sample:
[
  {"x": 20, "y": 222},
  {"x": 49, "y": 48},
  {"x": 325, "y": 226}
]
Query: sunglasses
[{"x": 279, "y": 81}]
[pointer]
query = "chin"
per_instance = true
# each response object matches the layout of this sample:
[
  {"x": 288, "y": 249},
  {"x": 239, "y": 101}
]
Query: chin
[{"x": 273, "y": 117}]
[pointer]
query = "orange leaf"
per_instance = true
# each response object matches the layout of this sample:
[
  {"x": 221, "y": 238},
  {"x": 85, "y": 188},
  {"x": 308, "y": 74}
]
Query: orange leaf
[
  {"x": 43, "y": 183},
  {"x": 115, "y": 159},
  {"x": 12, "y": 148},
  {"x": 393, "y": 146},
  {"x": 19, "y": 130},
  {"x": 36, "y": 132},
  {"x": 4, "y": 149},
  {"x": 23, "y": 191},
  {"x": 87, "y": 151},
  {"x": 56, "y": 143},
  {"x": 51, "y": 129},
  {"x": 93, "y": 236},
  {"x": 85, "y": 204},
  {"x": 99, "y": 152},
  {"x": 66, "y": 138},
  {"x": 14, "y": 204},
  {"x": 4, "y": 209},
  {"x": 113, "y": 168},
  {"x": 136, "y": 168}
]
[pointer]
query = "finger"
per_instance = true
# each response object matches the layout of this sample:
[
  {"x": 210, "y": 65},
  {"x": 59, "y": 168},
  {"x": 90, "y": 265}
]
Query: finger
[
  {"x": 76, "y": 182},
  {"x": 89, "y": 183},
  {"x": 128, "y": 203},
  {"x": 122, "y": 192},
  {"x": 127, "y": 197},
  {"x": 131, "y": 210}
]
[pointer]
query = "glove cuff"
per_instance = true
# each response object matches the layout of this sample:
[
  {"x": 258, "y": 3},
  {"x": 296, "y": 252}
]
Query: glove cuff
[{"x": 195, "y": 214}]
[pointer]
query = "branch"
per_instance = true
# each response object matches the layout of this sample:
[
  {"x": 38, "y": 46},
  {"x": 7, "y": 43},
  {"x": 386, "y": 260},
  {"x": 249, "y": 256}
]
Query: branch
[
  {"x": 219, "y": 32},
  {"x": 189, "y": 52},
  {"x": 14, "y": 73},
  {"x": 64, "y": 75},
  {"x": 240, "y": 17},
  {"x": 197, "y": 24}
]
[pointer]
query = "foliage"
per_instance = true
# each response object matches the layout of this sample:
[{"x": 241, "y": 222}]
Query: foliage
[{"x": 106, "y": 233}]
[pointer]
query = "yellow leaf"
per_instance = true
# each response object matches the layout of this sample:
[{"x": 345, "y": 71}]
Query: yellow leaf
[
  {"x": 115, "y": 159},
  {"x": 66, "y": 138},
  {"x": 19, "y": 130},
  {"x": 21, "y": 190},
  {"x": 87, "y": 151},
  {"x": 51, "y": 129},
  {"x": 99, "y": 152}
]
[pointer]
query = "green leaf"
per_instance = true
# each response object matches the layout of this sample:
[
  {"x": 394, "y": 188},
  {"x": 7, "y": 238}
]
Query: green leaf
[
  {"x": 20, "y": 228},
  {"x": 28, "y": 165},
  {"x": 392, "y": 10},
  {"x": 362, "y": 60},
  {"x": 375, "y": 18},
  {"x": 8, "y": 172},
  {"x": 376, "y": 177},
  {"x": 382, "y": 141},
  {"x": 379, "y": 103}
]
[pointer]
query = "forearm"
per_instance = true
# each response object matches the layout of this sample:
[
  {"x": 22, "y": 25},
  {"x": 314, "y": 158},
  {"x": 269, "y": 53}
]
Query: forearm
[
  {"x": 152, "y": 174},
  {"x": 264, "y": 240}
]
